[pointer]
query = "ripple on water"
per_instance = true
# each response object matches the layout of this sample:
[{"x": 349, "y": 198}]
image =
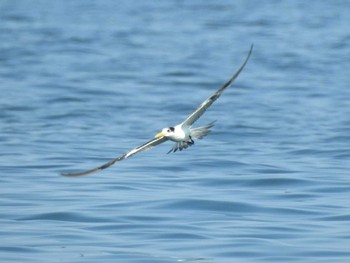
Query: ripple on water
[
  {"x": 64, "y": 217},
  {"x": 85, "y": 81}
]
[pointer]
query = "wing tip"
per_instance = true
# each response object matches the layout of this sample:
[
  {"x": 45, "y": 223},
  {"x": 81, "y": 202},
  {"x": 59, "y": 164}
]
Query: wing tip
[
  {"x": 250, "y": 52},
  {"x": 73, "y": 174},
  {"x": 251, "y": 49},
  {"x": 79, "y": 173}
]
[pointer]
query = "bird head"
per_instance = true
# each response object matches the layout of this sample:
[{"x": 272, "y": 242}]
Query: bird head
[{"x": 167, "y": 132}]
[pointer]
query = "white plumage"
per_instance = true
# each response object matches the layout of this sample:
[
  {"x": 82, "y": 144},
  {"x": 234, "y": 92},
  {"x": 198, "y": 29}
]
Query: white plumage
[{"x": 182, "y": 134}]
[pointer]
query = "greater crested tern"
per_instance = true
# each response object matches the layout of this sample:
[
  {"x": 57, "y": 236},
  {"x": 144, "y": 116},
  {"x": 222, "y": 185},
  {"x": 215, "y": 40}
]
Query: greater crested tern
[{"x": 182, "y": 134}]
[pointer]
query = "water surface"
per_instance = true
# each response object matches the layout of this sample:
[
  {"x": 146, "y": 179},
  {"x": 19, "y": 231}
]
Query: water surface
[{"x": 85, "y": 81}]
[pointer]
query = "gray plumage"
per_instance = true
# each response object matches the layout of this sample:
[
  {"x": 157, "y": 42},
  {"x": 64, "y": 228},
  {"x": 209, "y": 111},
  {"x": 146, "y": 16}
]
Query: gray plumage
[{"x": 183, "y": 134}]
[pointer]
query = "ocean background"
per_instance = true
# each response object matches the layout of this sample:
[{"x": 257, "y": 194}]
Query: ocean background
[{"x": 83, "y": 82}]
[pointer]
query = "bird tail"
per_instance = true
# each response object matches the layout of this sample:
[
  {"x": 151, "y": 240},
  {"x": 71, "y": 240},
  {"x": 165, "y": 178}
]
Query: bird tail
[
  {"x": 200, "y": 132},
  {"x": 196, "y": 133}
]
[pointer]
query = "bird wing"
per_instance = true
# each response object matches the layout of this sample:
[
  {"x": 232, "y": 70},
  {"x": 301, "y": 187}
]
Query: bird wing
[
  {"x": 140, "y": 148},
  {"x": 208, "y": 102}
]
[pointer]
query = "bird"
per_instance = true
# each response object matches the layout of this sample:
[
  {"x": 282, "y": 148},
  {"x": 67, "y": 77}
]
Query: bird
[{"x": 182, "y": 134}]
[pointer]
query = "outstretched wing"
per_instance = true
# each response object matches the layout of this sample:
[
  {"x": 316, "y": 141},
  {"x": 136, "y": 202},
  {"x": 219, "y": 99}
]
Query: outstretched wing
[
  {"x": 143, "y": 147},
  {"x": 208, "y": 102}
]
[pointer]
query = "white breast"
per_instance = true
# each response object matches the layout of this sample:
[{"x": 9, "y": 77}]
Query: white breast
[{"x": 180, "y": 134}]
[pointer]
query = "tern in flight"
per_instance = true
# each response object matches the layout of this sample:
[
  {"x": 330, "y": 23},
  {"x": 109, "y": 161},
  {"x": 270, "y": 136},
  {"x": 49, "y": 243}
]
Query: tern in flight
[{"x": 182, "y": 134}]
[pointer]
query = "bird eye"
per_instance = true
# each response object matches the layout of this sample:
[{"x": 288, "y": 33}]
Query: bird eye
[{"x": 171, "y": 129}]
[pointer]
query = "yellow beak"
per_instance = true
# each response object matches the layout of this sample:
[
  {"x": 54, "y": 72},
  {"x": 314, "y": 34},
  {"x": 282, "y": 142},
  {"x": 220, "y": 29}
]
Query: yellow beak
[{"x": 159, "y": 135}]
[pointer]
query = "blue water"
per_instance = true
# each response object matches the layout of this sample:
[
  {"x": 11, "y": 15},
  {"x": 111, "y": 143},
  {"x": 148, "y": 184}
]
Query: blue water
[{"x": 83, "y": 82}]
